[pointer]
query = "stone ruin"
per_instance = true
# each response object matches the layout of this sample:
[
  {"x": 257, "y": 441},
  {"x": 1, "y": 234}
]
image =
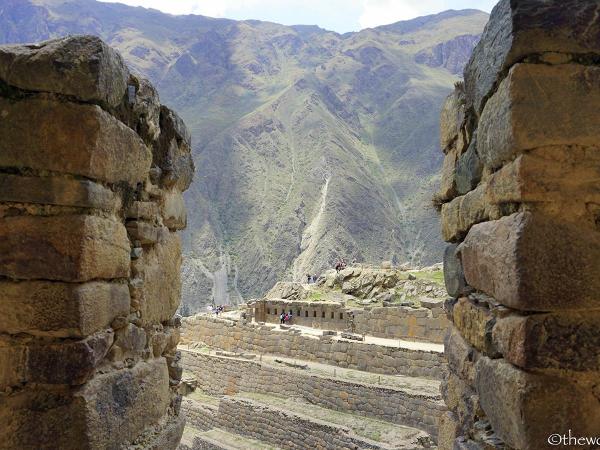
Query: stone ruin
[
  {"x": 521, "y": 208},
  {"x": 92, "y": 169}
]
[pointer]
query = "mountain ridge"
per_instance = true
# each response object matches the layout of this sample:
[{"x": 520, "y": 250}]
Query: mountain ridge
[{"x": 308, "y": 146}]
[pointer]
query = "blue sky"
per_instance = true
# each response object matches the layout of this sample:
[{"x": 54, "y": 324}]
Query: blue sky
[{"x": 337, "y": 15}]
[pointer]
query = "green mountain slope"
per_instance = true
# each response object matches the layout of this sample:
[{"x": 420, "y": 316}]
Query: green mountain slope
[{"x": 309, "y": 145}]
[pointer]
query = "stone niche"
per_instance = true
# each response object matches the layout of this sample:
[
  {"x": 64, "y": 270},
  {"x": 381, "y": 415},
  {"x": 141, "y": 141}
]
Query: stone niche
[
  {"x": 92, "y": 170},
  {"x": 521, "y": 208}
]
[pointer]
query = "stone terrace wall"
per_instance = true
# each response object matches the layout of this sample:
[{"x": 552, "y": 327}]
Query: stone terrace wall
[
  {"x": 522, "y": 210},
  {"x": 275, "y": 426},
  {"x": 91, "y": 173},
  {"x": 235, "y": 336},
  {"x": 422, "y": 324},
  {"x": 228, "y": 376}
]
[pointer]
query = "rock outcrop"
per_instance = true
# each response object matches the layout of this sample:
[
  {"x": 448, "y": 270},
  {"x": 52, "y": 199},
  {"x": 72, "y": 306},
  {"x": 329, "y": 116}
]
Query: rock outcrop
[
  {"x": 92, "y": 170},
  {"x": 522, "y": 210}
]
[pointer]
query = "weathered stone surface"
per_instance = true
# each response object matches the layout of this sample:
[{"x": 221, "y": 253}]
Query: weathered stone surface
[
  {"x": 80, "y": 66},
  {"x": 173, "y": 210},
  {"x": 459, "y": 215},
  {"x": 469, "y": 169},
  {"x": 475, "y": 323},
  {"x": 529, "y": 262},
  {"x": 461, "y": 356},
  {"x": 172, "y": 153},
  {"x": 145, "y": 112},
  {"x": 142, "y": 210},
  {"x": 461, "y": 399},
  {"x": 56, "y": 191},
  {"x": 454, "y": 277},
  {"x": 130, "y": 341},
  {"x": 451, "y": 118},
  {"x": 110, "y": 411},
  {"x": 66, "y": 248},
  {"x": 57, "y": 363},
  {"x": 119, "y": 405},
  {"x": 145, "y": 233},
  {"x": 448, "y": 430},
  {"x": 557, "y": 173},
  {"x": 36, "y": 420},
  {"x": 525, "y": 408},
  {"x": 565, "y": 341},
  {"x": 528, "y": 27},
  {"x": 60, "y": 309},
  {"x": 447, "y": 188},
  {"x": 161, "y": 288},
  {"x": 167, "y": 437},
  {"x": 70, "y": 138},
  {"x": 539, "y": 105}
]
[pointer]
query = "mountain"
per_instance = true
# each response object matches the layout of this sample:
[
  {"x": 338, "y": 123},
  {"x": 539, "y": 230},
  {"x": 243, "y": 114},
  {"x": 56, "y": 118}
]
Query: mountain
[{"x": 309, "y": 145}]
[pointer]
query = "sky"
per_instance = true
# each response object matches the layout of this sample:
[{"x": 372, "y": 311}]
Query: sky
[{"x": 337, "y": 15}]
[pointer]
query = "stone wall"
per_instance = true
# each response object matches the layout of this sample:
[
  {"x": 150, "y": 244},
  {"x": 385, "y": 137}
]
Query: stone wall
[
  {"x": 315, "y": 314},
  {"x": 427, "y": 323},
  {"x": 281, "y": 428},
  {"x": 236, "y": 336},
  {"x": 521, "y": 208},
  {"x": 228, "y": 376},
  {"x": 91, "y": 173}
]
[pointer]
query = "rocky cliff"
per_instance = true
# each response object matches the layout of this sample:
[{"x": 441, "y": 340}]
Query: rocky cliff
[
  {"x": 92, "y": 169},
  {"x": 309, "y": 145}
]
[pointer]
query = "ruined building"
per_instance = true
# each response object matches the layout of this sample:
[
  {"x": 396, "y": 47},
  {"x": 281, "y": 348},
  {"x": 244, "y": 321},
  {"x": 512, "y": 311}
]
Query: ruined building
[
  {"x": 92, "y": 168},
  {"x": 521, "y": 209}
]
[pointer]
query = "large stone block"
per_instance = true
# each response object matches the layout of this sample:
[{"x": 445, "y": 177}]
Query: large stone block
[
  {"x": 119, "y": 405},
  {"x": 528, "y": 261},
  {"x": 70, "y": 138},
  {"x": 454, "y": 276},
  {"x": 461, "y": 399},
  {"x": 525, "y": 409},
  {"x": 517, "y": 29},
  {"x": 469, "y": 168},
  {"x": 83, "y": 67},
  {"x": 475, "y": 323},
  {"x": 35, "y": 361},
  {"x": 461, "y": 356},
  {"x": 459, "y": 215},
  {"x": 172, "y": 152},
  {"x": 110, "y": 411},
  {"x": 556, "y": 173},
  {"x": 56, "y": 191},
  {"x": 451, "y": 118},
  {"x": 60, "y": 309},
  {"x": 539, "y": 105},
  {"x": 161, "y": 288},
  {"x": 65, "y": 248},
  {"x": 173, "y": 210},
  {"x": 145, "y": 233},
  {"x": 447, "y": 188},
  {"x": 448, "y": 430},
  {"x": 561, "y": 341}
]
